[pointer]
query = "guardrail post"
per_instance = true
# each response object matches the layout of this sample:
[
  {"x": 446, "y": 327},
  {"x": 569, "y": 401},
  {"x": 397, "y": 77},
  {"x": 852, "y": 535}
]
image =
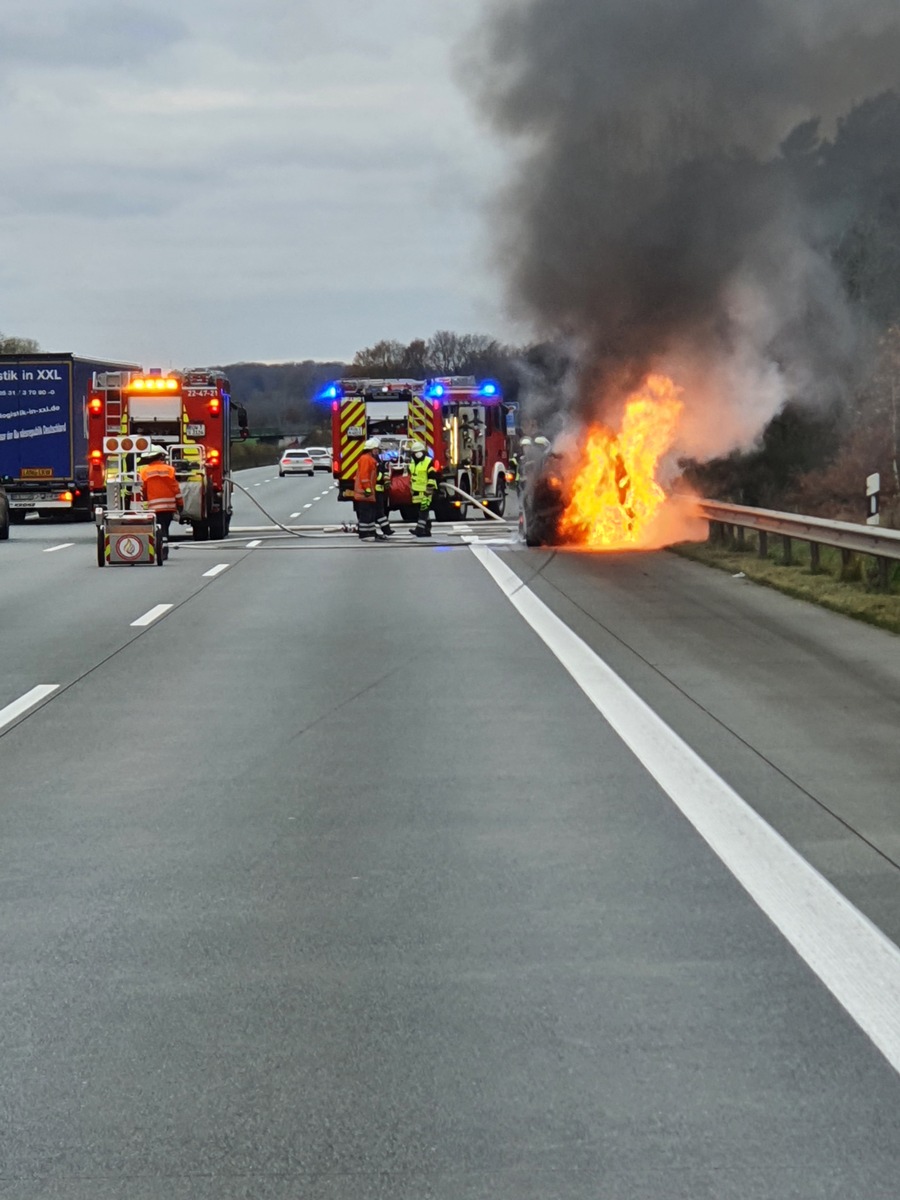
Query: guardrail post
[
  {"x": 814, "y": 566},
  {"x": 741, "y": 541},
  {"x": 846, "y": 565},
  {"x": 763, "y": 544},
  {"x": 715, "y": 533},
  {"x": 788, "y": 559},
  {"x": 884, "y": 577}
]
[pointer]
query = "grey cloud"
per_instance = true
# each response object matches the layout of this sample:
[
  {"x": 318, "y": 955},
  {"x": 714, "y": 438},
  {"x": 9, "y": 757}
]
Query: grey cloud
[{"x": 96, "y": 36}]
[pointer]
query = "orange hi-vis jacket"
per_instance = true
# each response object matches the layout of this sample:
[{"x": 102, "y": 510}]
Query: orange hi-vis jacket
[
  {"x": 364, "y": 483},
  {"x": 160, "y": 488}
]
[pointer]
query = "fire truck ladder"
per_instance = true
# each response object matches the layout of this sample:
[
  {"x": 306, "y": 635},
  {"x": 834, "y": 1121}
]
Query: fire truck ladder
[{"x": 114, "y": 409}]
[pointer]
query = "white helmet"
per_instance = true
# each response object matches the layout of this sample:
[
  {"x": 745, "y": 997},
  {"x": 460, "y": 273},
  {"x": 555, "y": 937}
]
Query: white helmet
[
  {"x": 154, "y": 452},
  {"x": 541, "y": 441},
  {"x": 417, "y": 447},
  {"x": 373, "y": 443}
]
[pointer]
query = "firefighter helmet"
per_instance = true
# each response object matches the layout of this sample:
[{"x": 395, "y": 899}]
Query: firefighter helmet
[
  {"x": 373, "y": 443},
  {"x": 153, "y": 452},
  {"x": 417, "y": 447},
  {"x": 541, "y": 441},
  {"x": 526, "y": 441}
]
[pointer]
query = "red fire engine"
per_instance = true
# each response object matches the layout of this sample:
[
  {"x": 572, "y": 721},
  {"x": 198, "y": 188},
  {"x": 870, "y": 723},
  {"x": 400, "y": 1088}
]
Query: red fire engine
[
  {"x": 188, "y": 413},
  {"x": 463, "y": 425}
]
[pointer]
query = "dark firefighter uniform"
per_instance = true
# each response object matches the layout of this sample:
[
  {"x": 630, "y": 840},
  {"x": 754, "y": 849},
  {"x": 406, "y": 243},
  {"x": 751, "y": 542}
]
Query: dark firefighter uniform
[{"x": 382, "y": 495}]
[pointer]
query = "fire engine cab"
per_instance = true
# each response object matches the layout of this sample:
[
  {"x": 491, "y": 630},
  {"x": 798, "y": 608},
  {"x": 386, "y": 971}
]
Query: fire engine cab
[
  {"x": 188, "y": 413},
  {"x": 462, "y": 423}
]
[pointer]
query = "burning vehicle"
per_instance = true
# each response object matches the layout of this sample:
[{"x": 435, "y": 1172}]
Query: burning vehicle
[{"x": 600, "y": 489}]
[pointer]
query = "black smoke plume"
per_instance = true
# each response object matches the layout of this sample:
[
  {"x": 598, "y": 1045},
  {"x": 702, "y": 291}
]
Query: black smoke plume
[{"x": 667, "y": 211}]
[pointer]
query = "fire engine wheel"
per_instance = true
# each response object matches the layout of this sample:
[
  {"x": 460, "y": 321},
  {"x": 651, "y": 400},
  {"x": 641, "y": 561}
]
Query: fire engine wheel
[
  {"x": 101, "y": 549},
  {"x": 216, "y": 526},
  {"x": 498, "y": 506},
  {"x": 201, "y": 531}
]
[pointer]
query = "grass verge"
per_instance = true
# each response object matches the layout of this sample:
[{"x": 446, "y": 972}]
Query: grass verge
[{"x": 851, "y": 590}]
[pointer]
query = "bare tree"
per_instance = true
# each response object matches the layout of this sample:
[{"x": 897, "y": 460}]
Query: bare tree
[
  {"x": 17, "y": 345},
  {"x": 382, "y": 361}
]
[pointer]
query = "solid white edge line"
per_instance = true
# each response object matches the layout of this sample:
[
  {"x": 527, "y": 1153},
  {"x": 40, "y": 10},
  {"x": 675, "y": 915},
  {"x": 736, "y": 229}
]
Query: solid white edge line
[
  {"x": 152, "y": 615},
  {"x": 217, "y": 570},
  {"x": 16, "y": 708},
  {"x": 61, "y": 546},
  {"x": 858, "y": 964}
]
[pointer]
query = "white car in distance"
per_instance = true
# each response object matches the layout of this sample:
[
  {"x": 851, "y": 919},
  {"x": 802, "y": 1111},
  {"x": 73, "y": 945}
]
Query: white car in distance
[{"x": 295, "y": 462}]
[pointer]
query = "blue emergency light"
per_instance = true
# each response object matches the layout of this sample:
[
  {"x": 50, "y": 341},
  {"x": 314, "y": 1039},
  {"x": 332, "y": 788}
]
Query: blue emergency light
[
  {"x": 329, "y": 393},
  {"x": 489, "y": 388}
]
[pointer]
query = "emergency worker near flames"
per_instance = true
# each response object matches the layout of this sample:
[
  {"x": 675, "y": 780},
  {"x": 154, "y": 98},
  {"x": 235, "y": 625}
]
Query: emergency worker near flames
[
  {"x": 160, "y": 490},
  {"x": 382, "y": 491},
  {"x": 423, "y": 483},
  {"x": 364, "y": 491}
]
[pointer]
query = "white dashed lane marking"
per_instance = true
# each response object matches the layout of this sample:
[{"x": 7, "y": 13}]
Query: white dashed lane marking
[
  {"x": 18, "y": 707},
  {"x": 216, "y": 570},
  {"x": 61, "y": 546},
  {"x": 152, "y": 615}
]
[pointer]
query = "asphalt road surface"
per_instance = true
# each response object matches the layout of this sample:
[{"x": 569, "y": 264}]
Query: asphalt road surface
[{"x": 353, "y": 873}]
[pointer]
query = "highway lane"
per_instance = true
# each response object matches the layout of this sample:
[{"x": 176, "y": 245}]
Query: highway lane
[
  {"x": 797, "y": 707},
  {"x": 350, "y": 892}
]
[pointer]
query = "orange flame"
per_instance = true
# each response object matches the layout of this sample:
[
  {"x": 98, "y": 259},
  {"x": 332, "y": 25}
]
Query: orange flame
[{"x": 615, "y": 496}]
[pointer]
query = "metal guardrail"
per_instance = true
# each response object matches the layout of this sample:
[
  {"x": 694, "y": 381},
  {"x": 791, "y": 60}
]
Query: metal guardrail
[{"x": 881, "y": 544}]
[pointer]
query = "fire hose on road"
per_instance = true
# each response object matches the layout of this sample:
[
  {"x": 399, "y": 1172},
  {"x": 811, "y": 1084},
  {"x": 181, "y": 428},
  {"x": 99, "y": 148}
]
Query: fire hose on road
[
  {"x": 478, "y": 503},
  {"x": 327, "y": 532}
]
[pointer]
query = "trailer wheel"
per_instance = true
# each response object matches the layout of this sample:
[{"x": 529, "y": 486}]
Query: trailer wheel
[{"x": 101, "y": 548}]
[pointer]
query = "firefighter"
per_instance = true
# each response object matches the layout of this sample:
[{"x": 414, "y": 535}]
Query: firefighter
[
  {"x": 364, "y": 494},
  {"x": 382, "y": 493},
  {"x": 423, "y": 482},
  {"x": 160, "y": 490},
  {"x": 517, "y": 465}
]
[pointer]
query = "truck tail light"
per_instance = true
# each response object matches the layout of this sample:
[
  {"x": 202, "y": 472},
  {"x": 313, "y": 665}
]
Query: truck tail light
[
  {"x": 96, "y": 455},
  {"x": 213, "y": 457},
  {"x": 66, "y": 497},
  {"x": 215, "y": 406},
  {"x": 95, "y": 406}
]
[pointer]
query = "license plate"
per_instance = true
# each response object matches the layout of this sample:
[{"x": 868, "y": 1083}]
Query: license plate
[
  {"x": 196, "y": 430},
  {"x": 15, "y": 503},
  {"x": 355, "y": 431}
]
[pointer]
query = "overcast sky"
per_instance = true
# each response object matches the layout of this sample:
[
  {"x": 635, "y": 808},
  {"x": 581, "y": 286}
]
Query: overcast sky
[{"x": 207, "y": 181}]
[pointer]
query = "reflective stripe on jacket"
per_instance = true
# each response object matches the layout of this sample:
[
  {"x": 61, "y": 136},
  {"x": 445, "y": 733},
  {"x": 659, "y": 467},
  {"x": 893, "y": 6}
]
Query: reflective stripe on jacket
[
  {"x": 365, "y": 479},
  {"x": 160, "y": 488},
  {"x": 422, "y": 478}
]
